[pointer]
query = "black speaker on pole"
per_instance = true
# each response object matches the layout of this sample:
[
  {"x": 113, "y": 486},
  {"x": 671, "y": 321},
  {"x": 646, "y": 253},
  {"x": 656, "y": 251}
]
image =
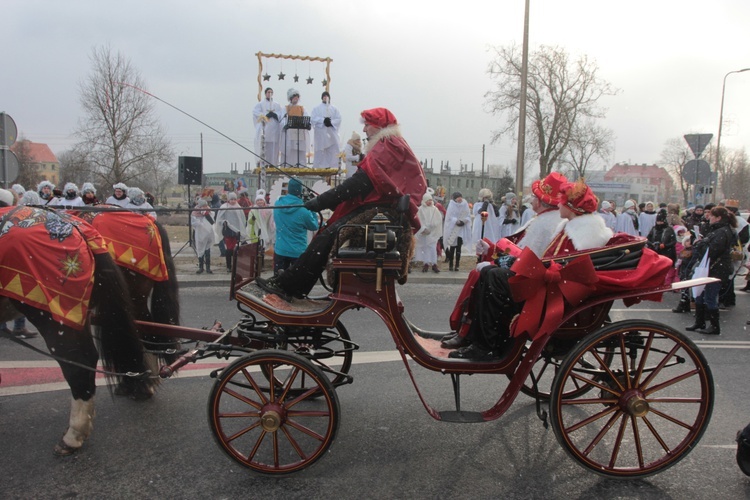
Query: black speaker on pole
[{"x": 190, "y": 170}]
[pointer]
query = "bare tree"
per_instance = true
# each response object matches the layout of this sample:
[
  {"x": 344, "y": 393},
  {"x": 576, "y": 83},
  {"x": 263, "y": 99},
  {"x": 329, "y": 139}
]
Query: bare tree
[
  {"x": 120, "y": 137},
  {"x": 561, "y": 93},
  {"x": 75, "y": 168},
  {"x": 734, "y": 179},
  {"x": 588, "y": 142},
  {"x": 674, "y": 156},
  {"x": 28, "y": 176}
]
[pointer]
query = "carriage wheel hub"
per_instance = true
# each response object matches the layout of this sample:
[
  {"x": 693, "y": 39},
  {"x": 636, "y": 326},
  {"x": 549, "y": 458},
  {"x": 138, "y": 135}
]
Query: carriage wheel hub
[
  {"x": 270, "y": 420},
  {"x": 637, "y": 405}
]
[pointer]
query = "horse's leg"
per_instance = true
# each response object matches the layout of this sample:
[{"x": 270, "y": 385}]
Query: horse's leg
[{"x": 68, "y": 344}]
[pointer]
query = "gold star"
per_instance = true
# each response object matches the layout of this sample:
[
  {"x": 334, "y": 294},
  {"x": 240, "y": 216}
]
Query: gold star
[{"x": 70, "y": 265}]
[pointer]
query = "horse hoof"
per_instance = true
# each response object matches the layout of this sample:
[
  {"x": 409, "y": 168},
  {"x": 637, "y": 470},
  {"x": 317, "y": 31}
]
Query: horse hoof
[{"x": 61, "y": 449}]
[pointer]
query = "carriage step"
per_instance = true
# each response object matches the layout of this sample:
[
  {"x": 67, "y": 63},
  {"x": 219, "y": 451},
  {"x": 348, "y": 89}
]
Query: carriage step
[{"x": 462, "y": 417}]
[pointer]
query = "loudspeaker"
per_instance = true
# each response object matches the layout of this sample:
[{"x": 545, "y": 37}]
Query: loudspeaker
[{"x": 190, "y": 170}]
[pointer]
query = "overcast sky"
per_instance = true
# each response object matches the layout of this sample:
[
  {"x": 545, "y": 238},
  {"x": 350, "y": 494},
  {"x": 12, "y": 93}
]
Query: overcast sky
[{"x": 426, "y": 61}]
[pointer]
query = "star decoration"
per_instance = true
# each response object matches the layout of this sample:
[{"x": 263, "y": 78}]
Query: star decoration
[
  {"x": 266, "y": 77},
  {"x": 281, "y": 76},
  {"x": 296, "y": 78},
  {"x": 70, "y": 265},
  {"x": 325, "y": 82},
  {"x": 309, "y": 80}
]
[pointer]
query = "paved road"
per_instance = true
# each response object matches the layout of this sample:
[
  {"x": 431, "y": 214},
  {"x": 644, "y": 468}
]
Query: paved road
[{"x": 387, "y": 446}]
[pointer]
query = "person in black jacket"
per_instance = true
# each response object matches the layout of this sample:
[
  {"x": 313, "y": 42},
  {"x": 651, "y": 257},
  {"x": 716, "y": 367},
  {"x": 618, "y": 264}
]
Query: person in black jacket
[
  {"x": 662, "y": 238},
  {"x": 718, "y": 243}
]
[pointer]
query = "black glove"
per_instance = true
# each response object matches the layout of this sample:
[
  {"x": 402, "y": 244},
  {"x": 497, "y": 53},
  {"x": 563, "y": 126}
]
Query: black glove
[
  {"x": 513, "y": 221},
  {"x": 273, "y": 115},
  {"x": 327, "y": 122},
  {"x": 361, "y": 157},
  {"x": 460, "y": 223},
  {"x": 313, "y": 205}
]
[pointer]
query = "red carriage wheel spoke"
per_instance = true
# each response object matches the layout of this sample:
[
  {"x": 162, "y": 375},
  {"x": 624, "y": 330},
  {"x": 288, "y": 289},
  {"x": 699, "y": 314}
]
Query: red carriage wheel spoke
[
  {"x": 644, "y": 359},
  {"x": 591, "y": 401},
  {"x": 592, "y": 418},
  {"x": 637, "y": 440},
  {"x": 671, "y": 419},
  {"x": 258, "y": 442},
  {"x": 604, "y": 365},
  {"x": 618, "y": 442},
  {"x": 603, "y": 431},
  {"x": 297, "y": 448},
  {"x": 244, "y": 431},
  {"x": 242, "y": 398},
  {"x": 660, "y": 366},
  {"x": 674, "y": 400},
  {"x": 305, "y": 430},
  {"x": 673, "y": 381},
  {"x": 595, "y": 384},
  {"x": 258, "y": 391},
  {"x": 624, "y": 359},
  {"x": 656, "y": 435}
]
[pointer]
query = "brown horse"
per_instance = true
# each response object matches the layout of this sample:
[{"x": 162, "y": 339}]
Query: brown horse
[{"x": 53, "y": 268}]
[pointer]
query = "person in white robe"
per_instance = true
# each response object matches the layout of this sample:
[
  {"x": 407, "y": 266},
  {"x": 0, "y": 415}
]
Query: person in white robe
[
  {"x": 294, "y": 142},
  {"x": 426, "y": 238},
  {"x": 492, "y": 224},
  {"x": 71, "y": 197},
  {"x": 230, "y": 226},
  {"x": 647, "y": 219},
  {"x": 456, "y": 229},
  {"x": 138, "y": 202},
  {"x": 326, "y": 121},
  {"x": 610, "y": 220},
  {"x": 119, "y": 195},
  {"x": 627, "y": 221},
  {"x": 267, "y": 119},
  {"x": 528, "y": 212},
  {"x": 203, "y": 229},
  {"x": 260, "y": 224},
  {"x": 509, "y": 216}
]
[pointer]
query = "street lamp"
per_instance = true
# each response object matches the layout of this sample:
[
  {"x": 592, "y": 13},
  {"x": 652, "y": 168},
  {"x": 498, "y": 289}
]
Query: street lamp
[{"x": 721, "y": 122}]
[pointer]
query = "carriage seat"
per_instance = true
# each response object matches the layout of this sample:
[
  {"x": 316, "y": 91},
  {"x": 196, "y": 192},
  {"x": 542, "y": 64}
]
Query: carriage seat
[{"x": 622, "y": 251}]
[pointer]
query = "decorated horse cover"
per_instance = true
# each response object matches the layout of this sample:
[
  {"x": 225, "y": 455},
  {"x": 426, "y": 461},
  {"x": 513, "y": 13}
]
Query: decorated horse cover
[
  {"x": 133, "y": 240},
  {"x": 47, "y": 261}
]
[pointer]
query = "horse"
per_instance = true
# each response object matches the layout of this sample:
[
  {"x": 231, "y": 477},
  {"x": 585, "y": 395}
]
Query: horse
[
  {"x": 140, "y": 246},
  {"x": 53, "y": 269}
]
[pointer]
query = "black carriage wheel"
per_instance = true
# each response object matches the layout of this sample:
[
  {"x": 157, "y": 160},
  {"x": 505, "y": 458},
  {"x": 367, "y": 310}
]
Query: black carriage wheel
[
  {"x": 336, "y": 341},
  {"x": 273, "y": 428},
  {"x": 647, "y": 410},
  {"x": 546, "y": 367}
]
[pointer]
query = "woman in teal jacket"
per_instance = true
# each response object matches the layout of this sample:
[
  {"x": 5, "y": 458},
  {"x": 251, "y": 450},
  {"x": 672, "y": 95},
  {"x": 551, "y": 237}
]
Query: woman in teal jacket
[{"x": 292, "y": 225}]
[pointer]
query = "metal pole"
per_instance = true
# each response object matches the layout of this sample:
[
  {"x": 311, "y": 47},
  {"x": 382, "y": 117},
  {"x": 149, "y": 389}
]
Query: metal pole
[
  {"x": 718, "y": 138},
  {"x": 522, "y": 105}
]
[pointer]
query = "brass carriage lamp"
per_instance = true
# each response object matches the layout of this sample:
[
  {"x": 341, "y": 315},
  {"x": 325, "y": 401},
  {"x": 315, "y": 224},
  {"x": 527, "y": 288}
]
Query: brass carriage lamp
[{"x": 380, "y": 240}]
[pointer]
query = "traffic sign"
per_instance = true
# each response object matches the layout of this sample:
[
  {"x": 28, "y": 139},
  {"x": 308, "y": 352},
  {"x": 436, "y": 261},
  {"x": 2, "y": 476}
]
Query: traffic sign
[
  {"x": 698, "y": 142},
  {"x": 8, "y": 130},
  {"x": 697, "y": 172}
]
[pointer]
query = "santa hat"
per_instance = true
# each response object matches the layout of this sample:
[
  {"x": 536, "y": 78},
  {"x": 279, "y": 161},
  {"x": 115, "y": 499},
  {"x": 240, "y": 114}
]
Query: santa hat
[
  {"x": 578, "y": 197},
  {"x": 378, "y": 117},
  {"x": 7, "y": 197},
  {"x": 547, "y": 190}
]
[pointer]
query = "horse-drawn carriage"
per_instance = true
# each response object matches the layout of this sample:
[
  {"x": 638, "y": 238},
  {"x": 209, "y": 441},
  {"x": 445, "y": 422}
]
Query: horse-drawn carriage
[{"x": 626, "y": 399}]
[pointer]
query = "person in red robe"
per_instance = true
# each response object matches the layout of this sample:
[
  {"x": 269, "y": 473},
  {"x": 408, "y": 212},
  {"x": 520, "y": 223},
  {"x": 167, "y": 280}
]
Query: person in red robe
[
  {"x": 388, "y": 171},
  {"x": 494, "y": 306}
]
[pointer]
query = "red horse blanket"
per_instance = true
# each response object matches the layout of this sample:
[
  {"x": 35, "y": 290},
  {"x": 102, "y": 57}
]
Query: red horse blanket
[
  {"x": 47, "y": 261},
  {"x": 133, "y": 241}
]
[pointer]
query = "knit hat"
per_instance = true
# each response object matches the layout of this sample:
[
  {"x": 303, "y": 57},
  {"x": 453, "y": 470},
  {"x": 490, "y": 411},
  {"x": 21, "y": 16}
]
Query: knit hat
[
  {"x": 294, "y": 187},
  {"x": 661, "y": 216},
  {"x": 578, "y": 197},
  {"x": 231, "y": 196},
  {"x": 260, "y": 195},
  {"x": 19, "y": 189},
  {"x": 378, "y": 117},
  {"x": 7, "y": 197},
  {"x": 88, "y": 188},
  {"x": 629, "y": 204},
  {"x": 548, "y": 189},
  {"x": 606, "y": 205},
  {"x": 120, "y": 185},
  {"x": 426, "y": 197},
  {"x": 456, "y": 195},
  {"x": 136, "y": 195},
  {"x": 291, "y": 93},
  {"x": 69, "y": 186},
  {"x": 509, "y": 197}
]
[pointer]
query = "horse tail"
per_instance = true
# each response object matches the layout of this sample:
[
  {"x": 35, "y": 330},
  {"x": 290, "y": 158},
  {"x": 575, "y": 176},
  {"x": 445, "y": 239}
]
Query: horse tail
[
  {"x": 120, "y": 349},
  {"x": 165, "y": 302}
]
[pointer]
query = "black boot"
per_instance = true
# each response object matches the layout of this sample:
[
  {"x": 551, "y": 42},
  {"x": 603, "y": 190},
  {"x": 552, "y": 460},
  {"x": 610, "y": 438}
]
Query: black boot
[
  {"x": 714, "y": 329},
  {"x": 208, "y": 264},
  {"x": 200, "y": 266},
  {"x": 700, "y": 318},
  {"x": 683, "y": 306}
]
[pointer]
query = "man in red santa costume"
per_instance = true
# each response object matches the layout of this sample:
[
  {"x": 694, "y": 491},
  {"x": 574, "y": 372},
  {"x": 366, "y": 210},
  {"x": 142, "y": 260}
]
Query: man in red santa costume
[
  {"x": 388, "y": 171},
  {"x": 581, "y": 229},
  {"x": 535, "y": 234}
]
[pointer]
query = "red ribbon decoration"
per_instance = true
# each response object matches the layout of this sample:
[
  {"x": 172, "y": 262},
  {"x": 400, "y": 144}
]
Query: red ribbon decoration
[{"x": 546, "y": 290}]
